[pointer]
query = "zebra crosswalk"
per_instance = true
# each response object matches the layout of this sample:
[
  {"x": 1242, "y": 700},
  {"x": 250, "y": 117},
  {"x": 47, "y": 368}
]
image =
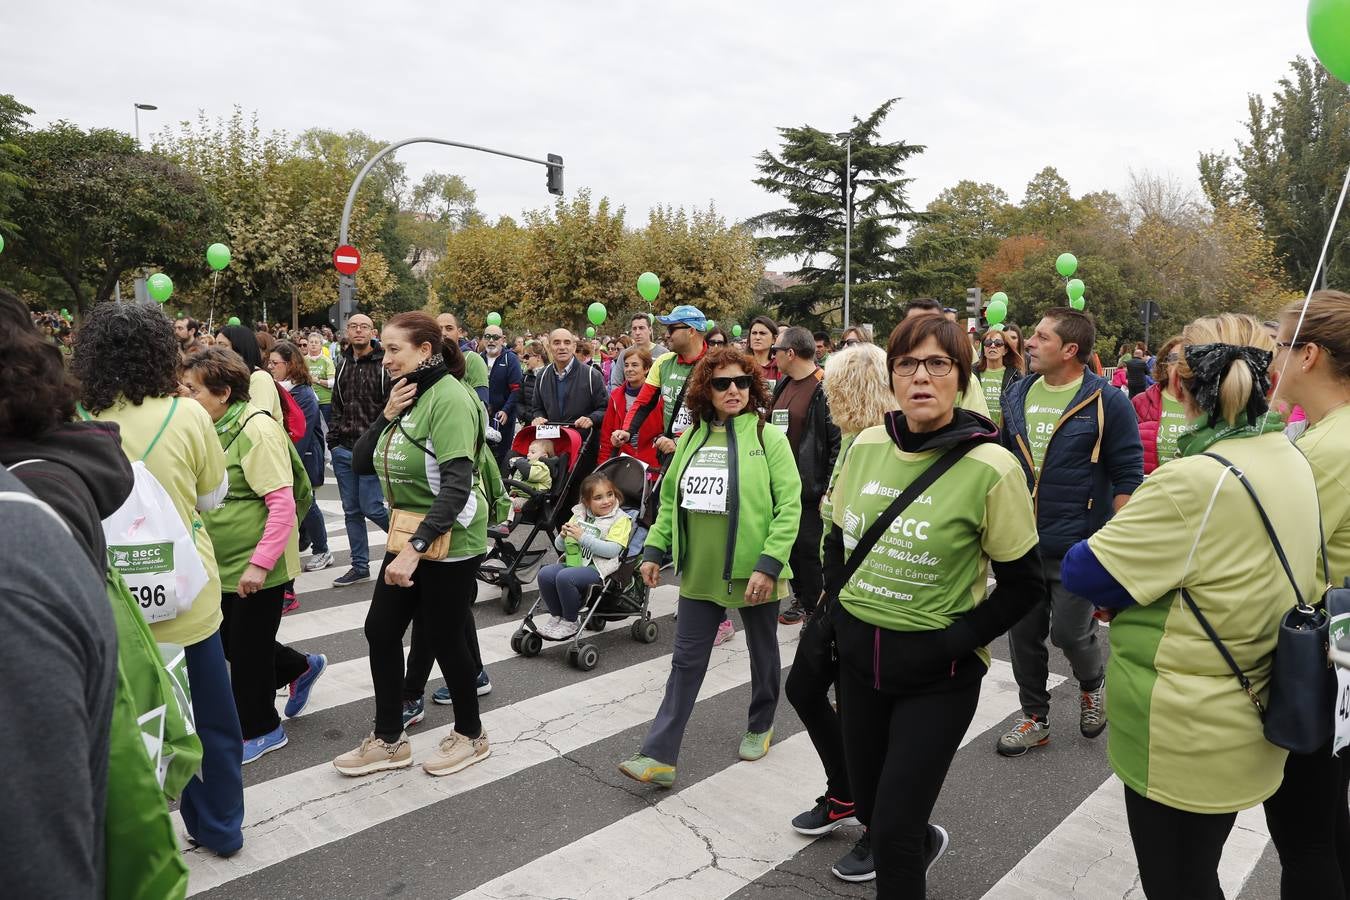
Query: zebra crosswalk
[{"x": 548, "y": 815}]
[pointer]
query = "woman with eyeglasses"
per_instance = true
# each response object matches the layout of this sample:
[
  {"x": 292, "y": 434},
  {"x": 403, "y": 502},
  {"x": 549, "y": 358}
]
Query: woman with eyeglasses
[
  {"x": 715, "y": 337},
  {"x": 1162, "y": 416},
  {"x": 533, "y": 358},
  {"x": 912, "y": 620},
  {"x": 763, "y": 333},
  {"x": 730, "y": 507},
  {"x": 852, "y": 337},
  {"x": 999, "y": 366}
]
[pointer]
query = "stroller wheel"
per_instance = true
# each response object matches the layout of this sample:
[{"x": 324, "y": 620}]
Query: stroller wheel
[
  {"x": 596, "y": 624},
  {"x": 531, "y": 644},
  {"x": 644, "y": 631},
  {"x": 517, "y": 640},
  {"x": 586, "y": 657},
  {"x": 511, "y": 595},
  {"x": 571, "y": 655}
]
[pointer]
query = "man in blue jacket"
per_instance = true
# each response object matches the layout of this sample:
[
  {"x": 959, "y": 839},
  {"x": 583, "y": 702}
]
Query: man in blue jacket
[
  {"x": 1078, "y": 441},
  {"x": 504, "y": 379}
]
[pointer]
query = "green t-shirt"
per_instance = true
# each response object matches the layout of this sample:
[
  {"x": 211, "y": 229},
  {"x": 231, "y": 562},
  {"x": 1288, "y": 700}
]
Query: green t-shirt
[
  {"x": 1045, "y": 406},
  {"x": 931, "y": 565},
  {"x": 972, "y": 399},
  {"x": 448, "y": 421},
  {"x": 257, "y": 462},
  {"x": 669, "y": 374},
  {"x": 475, "y": 371},
  {"x": 1172, "y": 424},
  {"x": 1183, "y": 732},
  {"x": 1325, "y": 446},
  {"x": 992, "y": 382},
  {"x": 704, "y": 533},
  {"x": 321, "y": 369},
  {"x": 264, "y": 394}
]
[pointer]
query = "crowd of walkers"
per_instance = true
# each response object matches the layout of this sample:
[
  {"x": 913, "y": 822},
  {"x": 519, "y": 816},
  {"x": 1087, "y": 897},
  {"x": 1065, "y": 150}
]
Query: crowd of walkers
[{"x": 904, "y": 504}]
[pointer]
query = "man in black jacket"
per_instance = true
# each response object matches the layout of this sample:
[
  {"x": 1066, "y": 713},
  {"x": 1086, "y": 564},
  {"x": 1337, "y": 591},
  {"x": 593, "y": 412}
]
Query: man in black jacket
[
  {"x": 799, "y": 408},
  {"x": 568, "y": 391}
]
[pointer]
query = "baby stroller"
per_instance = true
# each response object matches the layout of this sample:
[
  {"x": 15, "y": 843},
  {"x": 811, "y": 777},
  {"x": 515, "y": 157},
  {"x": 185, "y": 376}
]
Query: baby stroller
[
  {"x": 622, "y": 595},
  {"x": 517, "y": 551}
]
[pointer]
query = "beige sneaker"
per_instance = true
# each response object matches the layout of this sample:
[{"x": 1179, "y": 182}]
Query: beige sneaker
[
  {"x": 374, "y": 755},
  {"x": 457, "y": 752}
]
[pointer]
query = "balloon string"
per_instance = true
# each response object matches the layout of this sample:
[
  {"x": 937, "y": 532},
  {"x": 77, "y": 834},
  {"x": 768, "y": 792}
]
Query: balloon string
[{"x": 1321, "y": 262}]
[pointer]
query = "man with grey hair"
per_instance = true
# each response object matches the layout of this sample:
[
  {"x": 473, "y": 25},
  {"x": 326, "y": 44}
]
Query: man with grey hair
[{"x": 799, "y": 408}]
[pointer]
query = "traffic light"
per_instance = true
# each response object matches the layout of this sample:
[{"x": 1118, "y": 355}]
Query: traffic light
[
  {"x": 555, "y": 174},
  {"x": 973, "y": 304}
]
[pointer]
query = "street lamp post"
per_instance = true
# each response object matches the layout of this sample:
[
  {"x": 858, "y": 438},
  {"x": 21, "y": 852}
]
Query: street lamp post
[
  {"x": 847, "y": 137},
  {"x": 138, "y": 107}
]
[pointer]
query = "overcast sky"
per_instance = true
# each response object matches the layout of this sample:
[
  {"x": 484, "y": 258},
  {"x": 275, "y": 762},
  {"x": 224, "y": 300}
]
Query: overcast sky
[{"x": 670, "y": 103}]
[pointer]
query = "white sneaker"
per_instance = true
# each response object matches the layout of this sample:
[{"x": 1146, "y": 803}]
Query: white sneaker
[
  {"x": 548, "y": 627},
  {"x": 318, "y": 561},
  {"x": 566, "y": 629}
]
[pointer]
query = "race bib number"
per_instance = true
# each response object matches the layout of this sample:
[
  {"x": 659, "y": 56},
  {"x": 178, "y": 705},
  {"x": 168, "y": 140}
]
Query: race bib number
[
  {"x": 548, "y": 432},
  {"x": 148, "y": 572},
  {"x": 1340, "y": 628},
  {"x": 780, "y": 418},
  {"x": 683, "y": 421},
  {"x": 704, "y": 489}
]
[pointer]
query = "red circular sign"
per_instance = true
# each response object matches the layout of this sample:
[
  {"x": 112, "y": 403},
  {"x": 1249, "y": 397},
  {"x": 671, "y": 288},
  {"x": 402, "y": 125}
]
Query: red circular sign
[{"x": 346, "y": 259}]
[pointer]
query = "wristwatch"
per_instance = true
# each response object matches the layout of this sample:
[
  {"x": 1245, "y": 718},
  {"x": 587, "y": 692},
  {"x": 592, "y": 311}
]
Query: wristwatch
[{"x": 419, "y": 544}]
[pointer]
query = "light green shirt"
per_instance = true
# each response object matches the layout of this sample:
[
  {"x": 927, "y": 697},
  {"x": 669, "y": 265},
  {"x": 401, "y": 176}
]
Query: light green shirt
[
  {"x": 321, "y": 371},
  {"x": 1045, "y": 405},
  {"x": 1172, "y": 424}
]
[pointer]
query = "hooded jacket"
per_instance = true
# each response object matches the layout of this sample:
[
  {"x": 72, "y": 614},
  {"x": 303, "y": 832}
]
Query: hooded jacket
[
  {"x": 1148, "y": 409},
  {"x": 79, "y": 470}
]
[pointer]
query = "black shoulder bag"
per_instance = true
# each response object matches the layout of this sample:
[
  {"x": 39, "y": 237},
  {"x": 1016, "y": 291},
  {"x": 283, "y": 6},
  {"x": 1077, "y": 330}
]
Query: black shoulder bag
[{"x": 1302, "y": 683}]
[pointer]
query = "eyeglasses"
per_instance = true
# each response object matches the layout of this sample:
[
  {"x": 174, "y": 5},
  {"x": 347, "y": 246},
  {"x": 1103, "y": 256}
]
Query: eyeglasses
[
  {"x": 1289, "y": 345},
  {"x": 994, "y": 343},
  {"x": 742, "y": 382},
  {"x": 717, "y": 342},
  {"x": 937, "y": 366},
  {"x": 355, "y": 327},
  {"x": 851, "y": 342},
  {"x": 1173, "y": 358},
  {"x": 776, "y": 349}
]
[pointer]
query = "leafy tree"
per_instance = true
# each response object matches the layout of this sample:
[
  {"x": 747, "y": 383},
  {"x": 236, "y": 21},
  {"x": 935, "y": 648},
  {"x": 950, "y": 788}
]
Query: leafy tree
[
  {"x": 13, "y": 123},
  {"x": 482, "y": 271},
  {"x": 965, "y": 224},
  {"x": 810, "y": 173},
  {"x": 572, "y": 260},
  {"x": 1048, "y": 208}
]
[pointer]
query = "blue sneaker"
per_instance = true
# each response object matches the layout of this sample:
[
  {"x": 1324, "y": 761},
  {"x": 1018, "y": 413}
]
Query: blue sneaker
[
  {"x": 414, "y": 711},
  {"x": 484, "y": 687},
  {"x": 258, "y": 746},
  {"x": 302, "y": 686}
]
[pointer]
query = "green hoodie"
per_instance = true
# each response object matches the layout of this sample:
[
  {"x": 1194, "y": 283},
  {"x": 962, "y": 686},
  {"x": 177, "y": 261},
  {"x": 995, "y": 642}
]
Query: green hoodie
[{"x": 764, "y": 508}]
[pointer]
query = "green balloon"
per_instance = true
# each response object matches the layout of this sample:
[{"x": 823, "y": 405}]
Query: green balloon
[
  {"x": 648, "y": 286},
  {"x": 735, "y": 331},
  {"x": 2, "y": 243},
  {"x": 999, "y": 297},
  {"x": 1075, "y": 288},
  {"x": 1329, "y": 33},
  {"x": 590, "y": 331},
  {"x": 1078, "y": 304},
  {"x": 995, "y": 326},
  {"x": 234, "y": 320},
  {"x": 596, "y": 312},
  {"x": 160, "y": 287},
  {"x": 711, "y": 325},
  {"x": 218, "y": 256},
  {"x": 1067, "y": 264},
  {"x": 494, "y": 318},
  {"x": 996, "y": 312}
]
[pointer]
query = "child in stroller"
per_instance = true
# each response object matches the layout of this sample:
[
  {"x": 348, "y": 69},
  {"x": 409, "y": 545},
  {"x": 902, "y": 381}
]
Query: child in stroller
[
  {"x": 533, "y": 470},
  {"x": 590, "y": 546}
]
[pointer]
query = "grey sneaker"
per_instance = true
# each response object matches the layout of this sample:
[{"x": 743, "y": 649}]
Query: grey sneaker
[
  {"x": 318, "y": 561},
  {"x": 1029, "y": 732},
  {"x": 1092, "y": 711}
]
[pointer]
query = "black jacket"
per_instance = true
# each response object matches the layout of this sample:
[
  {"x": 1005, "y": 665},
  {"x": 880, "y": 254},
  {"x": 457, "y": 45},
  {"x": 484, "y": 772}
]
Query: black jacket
[
  {"x": 819, "y": 445},
  {"x": 584, "y": 394},
  {"x": 360, "y": 389}
]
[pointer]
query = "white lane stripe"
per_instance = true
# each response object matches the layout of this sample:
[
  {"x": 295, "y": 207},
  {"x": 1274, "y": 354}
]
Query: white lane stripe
[
  {"x": 1091, "y": 847},
  {"x": 739, "y": 814},
  {"x": 287, "y": 816},
  {"x": 349, "y": 681}
]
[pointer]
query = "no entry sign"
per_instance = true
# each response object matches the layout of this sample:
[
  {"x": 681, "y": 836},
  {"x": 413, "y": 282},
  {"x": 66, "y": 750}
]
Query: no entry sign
[{"x": 346, "y": 259}]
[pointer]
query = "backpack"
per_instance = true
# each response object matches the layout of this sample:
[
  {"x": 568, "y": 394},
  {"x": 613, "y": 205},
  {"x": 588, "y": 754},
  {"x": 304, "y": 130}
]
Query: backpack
[
  {"x": 293, "y": 417},
  {"x": 148, "y": 545},
  {"x": 300, "y": 483}
]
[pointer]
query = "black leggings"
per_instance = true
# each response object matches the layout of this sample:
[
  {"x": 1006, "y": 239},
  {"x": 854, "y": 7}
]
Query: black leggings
[
  {"x": 1309, "y": 824},
  {"x": 441, "y": 595},
  {"x": 258, "y": 664},
  {"x": 1178, "y": 851},
  {"x": 898, "y": 748},
  {"x": 421, "y": 655},
  {"x": 808, "y": 690}
]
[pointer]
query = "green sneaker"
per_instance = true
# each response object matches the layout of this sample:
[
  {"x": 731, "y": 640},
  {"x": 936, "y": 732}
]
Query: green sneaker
[
  {"x": 755, "y": 744},
  {"x": 648, "y": 771}
]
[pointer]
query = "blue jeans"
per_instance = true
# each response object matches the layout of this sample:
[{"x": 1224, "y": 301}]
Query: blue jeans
[
  {"x": 561, "y": 588},
  {"x": 213, "y": 801},
  {"x": 313, "y": 527},
  {"x": 361, "y": 500}
]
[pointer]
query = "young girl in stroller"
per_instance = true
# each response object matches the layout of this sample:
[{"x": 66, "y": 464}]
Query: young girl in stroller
[{"x": 591, "y": 544}]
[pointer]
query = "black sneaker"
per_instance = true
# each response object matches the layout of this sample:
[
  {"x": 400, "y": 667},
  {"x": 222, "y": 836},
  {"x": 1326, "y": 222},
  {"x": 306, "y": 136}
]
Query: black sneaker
[
  {"x": 857, "y": 864},
  {"x": 934, "y": 846},
  {"x": 351, "y": 576},
  {"x": 793, "y": 615},
  {"x": 827, "y": 815}
]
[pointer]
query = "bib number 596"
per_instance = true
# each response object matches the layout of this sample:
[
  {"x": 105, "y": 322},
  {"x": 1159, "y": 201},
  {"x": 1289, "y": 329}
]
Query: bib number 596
[{"x": 148, "y": 596}]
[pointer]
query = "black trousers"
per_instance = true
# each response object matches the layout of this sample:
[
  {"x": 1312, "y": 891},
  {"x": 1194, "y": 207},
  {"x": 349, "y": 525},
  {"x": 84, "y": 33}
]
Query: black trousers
[
  {"x": 808, "y": 690},
  {"x": 421, "y": 655},
  {"x": 1178, "y": 851},
  {"x": 897, "y": 777},
  {"x": 808, "y": 577},
  {"x": 258, "y": 664},
  {"x": 1309, "y": 823},
  {"x": 442, "y": 594}
]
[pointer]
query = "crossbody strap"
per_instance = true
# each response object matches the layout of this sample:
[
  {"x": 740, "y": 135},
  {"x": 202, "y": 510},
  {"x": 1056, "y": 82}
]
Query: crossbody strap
[
  {"x": 1270, "y": 529},
  {"x": 898, "y": 505},
  {"x": 675, "y": 412},
  {"x": 158, "y": 434}
]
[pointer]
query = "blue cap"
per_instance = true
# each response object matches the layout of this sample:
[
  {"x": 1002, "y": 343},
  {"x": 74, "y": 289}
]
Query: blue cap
[{"x": 685, "y": 315}]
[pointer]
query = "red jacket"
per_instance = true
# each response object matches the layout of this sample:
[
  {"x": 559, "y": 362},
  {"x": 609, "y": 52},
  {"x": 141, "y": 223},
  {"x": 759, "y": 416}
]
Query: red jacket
[
  {"x": 651, "y": 429},
  {"x": 1148, "y": 410}
]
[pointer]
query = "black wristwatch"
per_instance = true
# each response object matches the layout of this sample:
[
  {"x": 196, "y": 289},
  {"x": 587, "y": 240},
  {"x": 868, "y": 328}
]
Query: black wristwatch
[{"x": 419, "y": 544}]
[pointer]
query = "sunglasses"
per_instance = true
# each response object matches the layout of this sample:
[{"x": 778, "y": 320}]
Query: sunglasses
[
  {"x": 717, "y": 343},
  {"x": 492, "y": 337},
  {"x": 671, "y": 329},
  {"x": 994, "y": 343},
  {"x": 742, "y": 382}
]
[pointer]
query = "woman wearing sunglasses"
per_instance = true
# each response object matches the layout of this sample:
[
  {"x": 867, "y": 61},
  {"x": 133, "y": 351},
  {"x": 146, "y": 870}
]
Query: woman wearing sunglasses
[
  {"x": 730, "y": 506},
  {"x": 999, "y": 366},
  {"x": 715, "y": 338},
  {"x": 852, "y": 337}
]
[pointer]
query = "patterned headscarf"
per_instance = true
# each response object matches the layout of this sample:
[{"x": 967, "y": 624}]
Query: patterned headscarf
[{"x": 1210, "y": 362}]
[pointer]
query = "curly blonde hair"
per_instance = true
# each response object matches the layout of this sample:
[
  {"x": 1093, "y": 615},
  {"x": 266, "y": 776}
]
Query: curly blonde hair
[{"x": 857, "y": 387}]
